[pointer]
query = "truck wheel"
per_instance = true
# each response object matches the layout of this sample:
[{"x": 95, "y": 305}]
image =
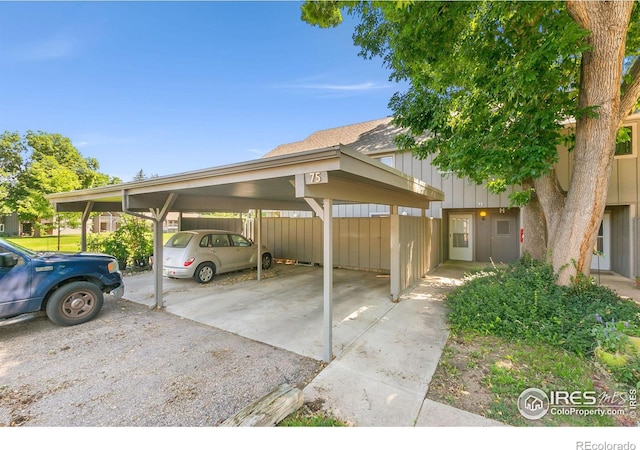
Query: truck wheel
[
  {"x": 75, "y": 303},
  {"x": 205, "y": 272}
]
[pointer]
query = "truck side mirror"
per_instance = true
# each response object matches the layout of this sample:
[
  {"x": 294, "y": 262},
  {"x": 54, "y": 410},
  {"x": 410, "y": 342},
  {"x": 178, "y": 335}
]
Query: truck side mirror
[{"x": 8, "y": 260}]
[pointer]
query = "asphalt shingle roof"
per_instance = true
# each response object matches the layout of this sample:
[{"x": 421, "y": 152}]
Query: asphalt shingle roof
[{"x": 374, "y": 136}]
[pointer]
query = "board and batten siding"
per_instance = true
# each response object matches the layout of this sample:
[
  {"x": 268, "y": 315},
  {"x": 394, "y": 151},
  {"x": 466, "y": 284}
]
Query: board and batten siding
[
  {"x": 358, "y": 243},
  {"x": 624, "y": 184},
  {"x": 235, "y": 225},
  {"x": 420, "y": 250},
  {"x": 458, "y": 192}
]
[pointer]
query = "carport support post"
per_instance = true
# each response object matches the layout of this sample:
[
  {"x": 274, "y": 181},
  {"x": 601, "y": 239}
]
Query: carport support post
[
  {"x": 326, "y": 214},
  {"x": 327, "y": 260},
  {"x": 258, "y": 238},
  {"x": 394, "y": 266},
  {"x": 83, "y": 232},
  {"x": 157, "y": 216},
  {"x": 157, "y": 260}
]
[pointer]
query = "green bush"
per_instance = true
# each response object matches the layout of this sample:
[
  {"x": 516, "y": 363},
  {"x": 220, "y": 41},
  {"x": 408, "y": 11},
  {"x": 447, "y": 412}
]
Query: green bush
[
  {"x": 134, "y": 233},
  {"x": 95, "y": 242},
  {"x": 522, "y": 301},
  {"x": 131, "y": 243},
  {"x": 111, "y": 244}
]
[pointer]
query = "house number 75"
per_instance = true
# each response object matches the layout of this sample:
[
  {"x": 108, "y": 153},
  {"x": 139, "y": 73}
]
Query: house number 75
[{"x": 317, "y": 177}]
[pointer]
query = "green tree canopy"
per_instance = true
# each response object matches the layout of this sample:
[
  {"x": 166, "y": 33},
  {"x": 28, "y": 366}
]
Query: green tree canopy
[
  {"x": 12, "y": 149},
  {"x": 493, "y": 84},
  {"x": 38, "y": 164}
]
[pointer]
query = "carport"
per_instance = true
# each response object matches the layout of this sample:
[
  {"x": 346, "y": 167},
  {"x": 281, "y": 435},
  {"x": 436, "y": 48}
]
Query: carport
[{"x": 313, "y": 180}]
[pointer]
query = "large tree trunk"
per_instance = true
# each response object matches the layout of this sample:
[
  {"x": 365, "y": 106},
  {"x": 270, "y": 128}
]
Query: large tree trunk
[
  {"x": 573, "y": 230},
  {"x": 534, "y": 222},
  {"x": 552, "y": 201}
]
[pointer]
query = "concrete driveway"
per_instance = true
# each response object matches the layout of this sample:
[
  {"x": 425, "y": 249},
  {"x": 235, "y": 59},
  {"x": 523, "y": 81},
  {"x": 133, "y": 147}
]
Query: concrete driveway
[{"x": 284, "y": 309}]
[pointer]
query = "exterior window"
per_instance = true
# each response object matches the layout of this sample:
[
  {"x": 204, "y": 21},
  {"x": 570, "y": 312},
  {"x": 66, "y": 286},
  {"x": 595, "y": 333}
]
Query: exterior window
[
  {"x": 624, "y": 145},
  {"x": 503, "y": 227},
  {"x": 460, "y": 232},
  {"x": 1, "y": 228},
  {"x": 386, "y": 160},
  {"x": 599, "y": 248},
  {"x": 461, "y": 240}
]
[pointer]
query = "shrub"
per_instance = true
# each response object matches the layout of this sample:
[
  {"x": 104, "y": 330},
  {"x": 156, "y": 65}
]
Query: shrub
[
  {"x": 136, "y": 236},
  {"x": 111, "y": 244},
  {"x": 95, "y": 242},
  {"x": 131, "y": 243},
  {"x": 522, "y": 301}
]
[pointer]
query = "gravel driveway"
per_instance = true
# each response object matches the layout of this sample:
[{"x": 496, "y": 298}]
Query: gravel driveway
[{"x": 133, "y": 366}]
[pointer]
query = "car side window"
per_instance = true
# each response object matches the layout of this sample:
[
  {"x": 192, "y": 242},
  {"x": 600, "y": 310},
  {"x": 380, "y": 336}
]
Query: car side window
[
  {"x": 219, "y": 240},
  {"x": 240, "y": 241},
  {"x": 14, "y": 254},
  {"x": 205, "y": 241}
]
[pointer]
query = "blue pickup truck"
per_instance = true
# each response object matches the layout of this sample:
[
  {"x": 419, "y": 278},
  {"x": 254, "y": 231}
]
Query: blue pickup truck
[{"x": 68, "y": 286}]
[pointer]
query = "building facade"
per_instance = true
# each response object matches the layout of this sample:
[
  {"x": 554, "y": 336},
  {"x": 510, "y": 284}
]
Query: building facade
[{"x": 478, "y": 225}]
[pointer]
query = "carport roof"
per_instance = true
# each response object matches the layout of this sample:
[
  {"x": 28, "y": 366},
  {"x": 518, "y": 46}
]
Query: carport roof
[{"x": 277, "y": 183}]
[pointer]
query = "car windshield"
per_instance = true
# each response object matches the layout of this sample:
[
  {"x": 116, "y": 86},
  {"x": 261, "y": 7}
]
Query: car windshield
[{"x": 179, "y": 240}]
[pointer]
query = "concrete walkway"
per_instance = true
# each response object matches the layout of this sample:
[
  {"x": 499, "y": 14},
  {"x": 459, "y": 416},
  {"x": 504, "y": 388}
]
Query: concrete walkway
[
  {"x": 624, "y": 287},
  {"x": 383, "y": 377}
]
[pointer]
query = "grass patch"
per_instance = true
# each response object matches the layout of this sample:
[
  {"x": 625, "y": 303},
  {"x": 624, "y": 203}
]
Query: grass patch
[
  {"x": 311, "y": 415},
  {"x": 514, "y": 328},
  {"x": 67, "y": 243},
  {"x": 504, "y": 368}
]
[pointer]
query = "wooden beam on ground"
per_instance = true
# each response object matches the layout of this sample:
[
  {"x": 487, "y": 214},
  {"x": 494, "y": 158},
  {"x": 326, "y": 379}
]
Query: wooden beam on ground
[{"x": 269, "y": 410}]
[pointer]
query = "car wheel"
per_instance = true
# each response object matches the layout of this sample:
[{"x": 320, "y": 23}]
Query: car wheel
[
  {"x": 74, "y": 303},
  {"x": 266, "y": 261},
  {"x": 205, "y": 272}
]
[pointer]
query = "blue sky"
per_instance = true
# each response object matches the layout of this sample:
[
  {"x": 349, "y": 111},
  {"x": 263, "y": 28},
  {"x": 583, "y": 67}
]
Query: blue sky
[{"x": 169, "y": 87}]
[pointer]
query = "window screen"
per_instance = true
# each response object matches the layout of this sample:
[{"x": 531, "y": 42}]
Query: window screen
[{"x": 503, "y": 227}]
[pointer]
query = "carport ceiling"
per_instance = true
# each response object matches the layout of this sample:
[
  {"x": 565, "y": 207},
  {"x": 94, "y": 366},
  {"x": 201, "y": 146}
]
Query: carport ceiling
[{"x": 277, "y": 183}]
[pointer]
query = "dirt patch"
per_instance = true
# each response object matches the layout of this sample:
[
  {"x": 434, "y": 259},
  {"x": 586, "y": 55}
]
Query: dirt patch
[
  {"x": 466, "y": 389},
  {"x": 136, "y": 366}
]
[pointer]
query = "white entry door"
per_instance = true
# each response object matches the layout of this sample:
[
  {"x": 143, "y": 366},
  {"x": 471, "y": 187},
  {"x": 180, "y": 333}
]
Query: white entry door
[
  {"x": 461, "y": 237},
  {"x": 602, "y": 259}
]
